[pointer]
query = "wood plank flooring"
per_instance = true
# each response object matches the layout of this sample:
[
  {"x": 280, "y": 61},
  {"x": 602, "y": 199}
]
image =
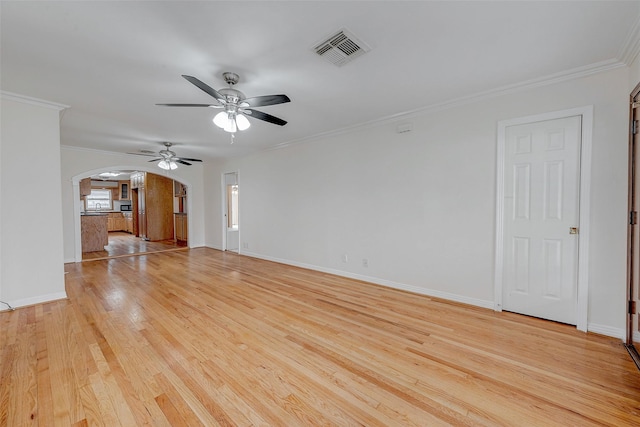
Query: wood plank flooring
[
  {"x": 125, "y": 244},
  {"x": 203, "y": 337}
]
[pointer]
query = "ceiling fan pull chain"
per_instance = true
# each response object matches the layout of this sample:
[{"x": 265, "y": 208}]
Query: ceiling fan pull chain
[{"x": 233, "y": 138}]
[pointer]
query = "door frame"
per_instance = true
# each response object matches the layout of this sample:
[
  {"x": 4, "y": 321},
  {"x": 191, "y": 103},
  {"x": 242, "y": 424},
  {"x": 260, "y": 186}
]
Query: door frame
[
  {"x": 632, "y": 245},
  {"x": 584, "y": 212}
]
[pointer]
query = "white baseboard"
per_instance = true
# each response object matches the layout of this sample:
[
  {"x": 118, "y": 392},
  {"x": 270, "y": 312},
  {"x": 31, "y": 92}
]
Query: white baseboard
[
  {"x": 219, "y": 248},
  {"x": 607, "y": 330},
  {"x": 70, "y": 261},
  {"x": 378, "y": 281},
  {"x": 40, "y": 299}
]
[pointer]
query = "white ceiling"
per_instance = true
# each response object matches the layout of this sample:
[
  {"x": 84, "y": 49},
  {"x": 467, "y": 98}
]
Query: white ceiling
[{"x": 112, "y": 61}]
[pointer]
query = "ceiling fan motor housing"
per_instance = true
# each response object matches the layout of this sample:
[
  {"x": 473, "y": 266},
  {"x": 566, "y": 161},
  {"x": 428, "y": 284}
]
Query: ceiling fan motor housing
[{"x": 230, "y": 78}]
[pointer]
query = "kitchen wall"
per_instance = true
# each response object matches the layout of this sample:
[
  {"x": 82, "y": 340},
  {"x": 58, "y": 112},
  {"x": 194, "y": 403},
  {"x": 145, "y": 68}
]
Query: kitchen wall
[
  {"x": 31, "y": 209},
  {"x": 81, "y": 163},
  {"x": 420, "y": 206}
]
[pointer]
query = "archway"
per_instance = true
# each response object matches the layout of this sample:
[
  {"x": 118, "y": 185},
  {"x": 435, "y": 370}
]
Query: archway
[{"x": 181, "y": 206}]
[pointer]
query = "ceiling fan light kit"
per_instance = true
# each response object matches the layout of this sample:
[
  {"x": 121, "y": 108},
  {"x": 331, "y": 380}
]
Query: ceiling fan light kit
[
  {"x": 236, "y": 106},
  {"x": 231, "y": 122},
  {"x": 168, "y": 160},
  {"x": 167, "y": 165}
]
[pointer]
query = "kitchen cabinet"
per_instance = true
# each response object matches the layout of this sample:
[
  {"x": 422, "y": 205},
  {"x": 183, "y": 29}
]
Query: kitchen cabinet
[
  {"x": 116, "y": 221},
  {"x": 179, "y": 189},
  {"x": 125, "y": 194},
  {"x": 85, "y": 187},
  {"x": 120, "y": 223},
  {"x": 128, "y": 222},
  {"x": 154, "y": 206},
  {"x": 137, "y": 179},
  {"x": 93, "y": 231},
  {"x": 180, "y": 193},
  {"x": 182, "y": 231}
]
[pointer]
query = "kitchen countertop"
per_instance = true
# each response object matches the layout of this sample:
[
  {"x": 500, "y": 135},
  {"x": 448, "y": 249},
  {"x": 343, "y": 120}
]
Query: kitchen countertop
[{"x": 101, "y": 212}]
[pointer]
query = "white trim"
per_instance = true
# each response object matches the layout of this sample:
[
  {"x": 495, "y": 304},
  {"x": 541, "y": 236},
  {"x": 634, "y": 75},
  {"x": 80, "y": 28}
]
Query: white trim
[
  {"x": 387, "y": 283},
  {"x": 223, "y": 193},
  {"x": 10, "y": 96},
  {"x": 40, "y": 299},
  {"x": 563, "y": 76},
  {"x": 77, "y": 202},
  {"x": 608, "y": 331},
  {"x": 585, "y": 198},
  {"x": 631, "y": 46}
]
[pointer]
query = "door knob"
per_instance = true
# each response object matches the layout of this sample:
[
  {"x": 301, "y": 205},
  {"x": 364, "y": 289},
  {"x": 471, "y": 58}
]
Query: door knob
[{"x": 573, "y": 230}]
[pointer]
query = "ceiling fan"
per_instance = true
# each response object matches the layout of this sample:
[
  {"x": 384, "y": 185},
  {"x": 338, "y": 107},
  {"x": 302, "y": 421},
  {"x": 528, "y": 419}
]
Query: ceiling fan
[
  {"x": 237, "y": 107},
  {"x": 168, "y": 160}
]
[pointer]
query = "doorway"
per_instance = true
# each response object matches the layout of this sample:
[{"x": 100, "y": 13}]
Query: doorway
[
  {"x": 542, "y": 216},
  {"x": 231, "y": 214},
  {"x": 125, "y": 232},
  {"x": 632, "y": 341}
]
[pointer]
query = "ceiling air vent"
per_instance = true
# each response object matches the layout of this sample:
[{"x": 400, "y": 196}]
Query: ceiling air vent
[{"x": 341, "y": 48}]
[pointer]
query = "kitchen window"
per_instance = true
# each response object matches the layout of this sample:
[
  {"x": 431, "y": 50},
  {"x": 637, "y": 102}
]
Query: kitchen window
[{"x": 99, "y": 200}]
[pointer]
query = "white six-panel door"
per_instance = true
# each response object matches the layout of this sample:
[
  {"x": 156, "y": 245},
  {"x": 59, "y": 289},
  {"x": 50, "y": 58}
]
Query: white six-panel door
[{"x": 541, "y": 216}]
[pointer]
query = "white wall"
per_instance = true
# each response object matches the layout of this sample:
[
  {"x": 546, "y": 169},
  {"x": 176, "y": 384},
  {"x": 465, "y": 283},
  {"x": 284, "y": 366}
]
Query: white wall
[
  {"x": 420, "y": 206},
  {"x": 80, "y": 163},
  {"x": 31, "y": 210}
]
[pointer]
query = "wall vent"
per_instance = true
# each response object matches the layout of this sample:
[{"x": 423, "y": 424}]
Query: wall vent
[{"x": 341, "y": 48}]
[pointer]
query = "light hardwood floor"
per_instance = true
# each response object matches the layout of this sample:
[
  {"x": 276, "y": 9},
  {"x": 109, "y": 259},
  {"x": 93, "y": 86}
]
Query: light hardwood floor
[
  {"x": 125, "y": 244},
  {"x": 202, "y": 337}
]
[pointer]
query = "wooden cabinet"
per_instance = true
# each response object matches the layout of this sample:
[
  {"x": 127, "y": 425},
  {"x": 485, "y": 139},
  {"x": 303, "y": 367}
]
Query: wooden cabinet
[
  {"x": 179, "y": 189},
  {"x": 154, "y": 206},
  {"x": 182, "y": 230},
  {"x": 137, "y": 179},
  {"x": 85, "y": 187},
  {"x": 128, "y": 222},
  {"x": 93, "y": 230},
  {"x": 124, "y": 187},
  {"x": 116, "y": 222},
  {"x": 180, "y": 193},
  {"x": 121, "y": 224}
]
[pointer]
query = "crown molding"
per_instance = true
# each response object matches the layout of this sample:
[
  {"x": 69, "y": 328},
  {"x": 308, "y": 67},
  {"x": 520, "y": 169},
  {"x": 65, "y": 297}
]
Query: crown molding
[
  {"x": 631, "y": 46},
  {"x": 563, "y": 76},
  {"x": 91, "y": 150},
  {"x": 10, "y": 96}
]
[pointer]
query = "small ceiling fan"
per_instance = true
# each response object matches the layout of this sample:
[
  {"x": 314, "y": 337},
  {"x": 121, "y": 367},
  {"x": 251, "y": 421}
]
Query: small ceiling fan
[
  {"x": 237, "y": 107},
  {"x": 168, "y": 160}
]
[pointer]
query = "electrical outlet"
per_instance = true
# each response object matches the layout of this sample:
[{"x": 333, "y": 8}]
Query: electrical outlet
[
  {"x": 345, "y": 258},
  {"x": 365, "y": 262},
  {"x": 245, "y": 245}
]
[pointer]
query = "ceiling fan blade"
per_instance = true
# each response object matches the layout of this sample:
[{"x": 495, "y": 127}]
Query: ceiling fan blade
[
  {"x": 155, "y": 160},
  {"x": 261, "y": 101},
  {"x": 188, "y": 105},
  {"x": 266, "y": 117},
  {"x": 188, "y": 159},
  {"x": 143, "y": 154},
  {"x": 183, "y": 162},
  {"x": 206, "y": 88}
]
